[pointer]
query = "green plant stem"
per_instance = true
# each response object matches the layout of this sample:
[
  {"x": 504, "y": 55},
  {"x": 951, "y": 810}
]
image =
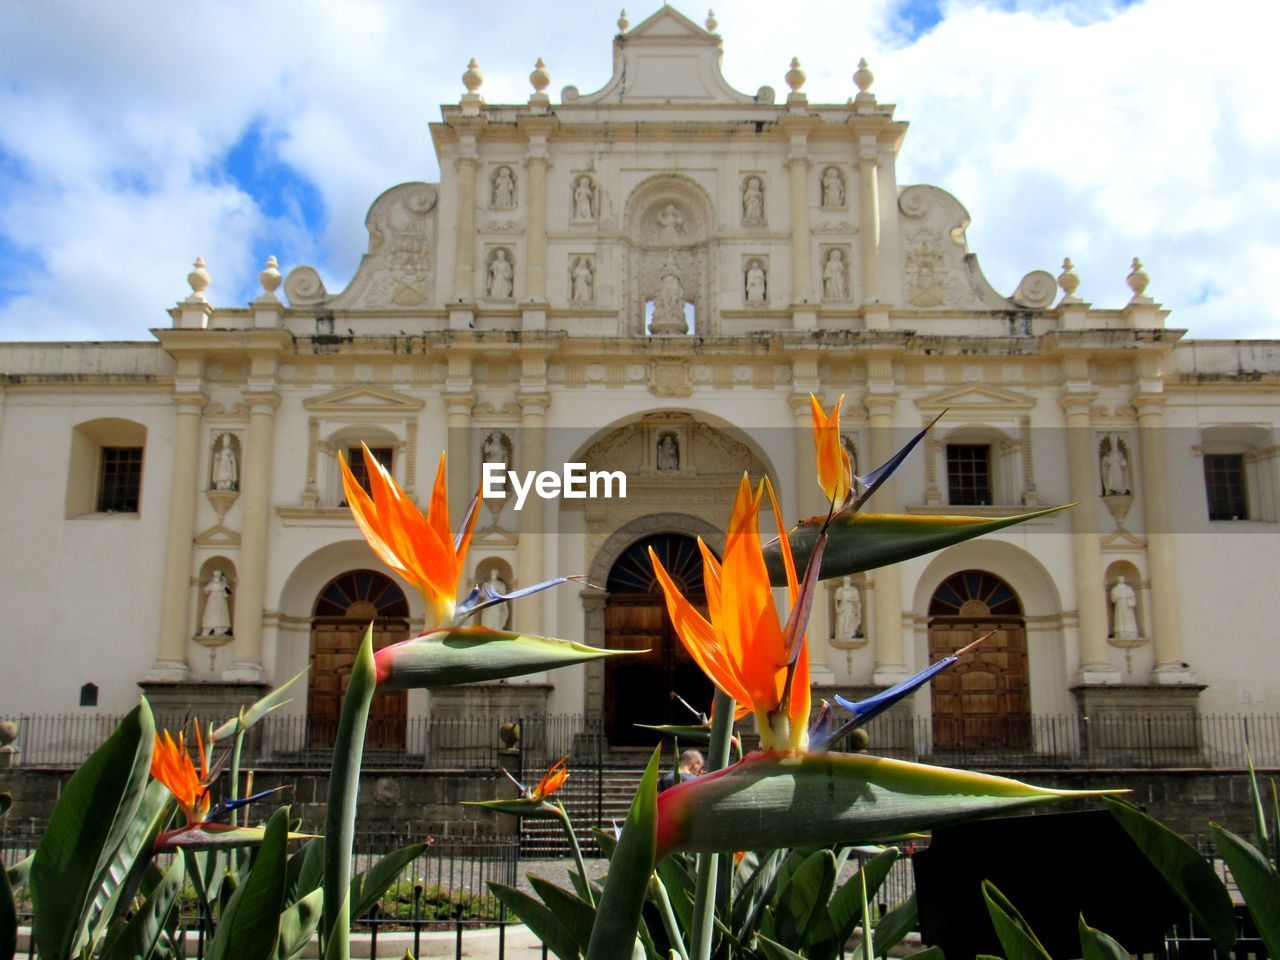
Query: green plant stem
[
  {"x": 577, "y": 850},
  {"x": 668, "y": 916},
  {"x": 704, "y": 890}
]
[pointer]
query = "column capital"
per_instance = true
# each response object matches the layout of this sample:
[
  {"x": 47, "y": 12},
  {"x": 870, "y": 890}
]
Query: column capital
[
  {"x": 1150, "y": 404},
  {"x": 533, "y": 404},
  {"x": 459, "y": 404},
  {"x": 879, "y": 405},
  {"x": 1077, "y": 404},
  {"x": 190, "y": 402},
  {"x": 262, "y": 401}
]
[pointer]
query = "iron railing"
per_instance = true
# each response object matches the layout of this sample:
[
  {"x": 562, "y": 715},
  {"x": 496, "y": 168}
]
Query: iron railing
[{"x": 479, "y": 743}]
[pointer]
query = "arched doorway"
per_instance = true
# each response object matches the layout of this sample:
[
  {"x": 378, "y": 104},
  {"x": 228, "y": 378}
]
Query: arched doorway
[
  {"x": 638, "y": 688},
  {"x": 982, "y": 701},
  {"x": 342, "y": 613}
]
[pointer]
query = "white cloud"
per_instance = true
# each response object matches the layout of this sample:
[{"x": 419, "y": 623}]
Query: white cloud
[{"x": 1086, "y": 130}]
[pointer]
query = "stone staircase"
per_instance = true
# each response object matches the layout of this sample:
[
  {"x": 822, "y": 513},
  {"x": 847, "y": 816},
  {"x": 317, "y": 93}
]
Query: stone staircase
[{"x": 591, "y": 797}]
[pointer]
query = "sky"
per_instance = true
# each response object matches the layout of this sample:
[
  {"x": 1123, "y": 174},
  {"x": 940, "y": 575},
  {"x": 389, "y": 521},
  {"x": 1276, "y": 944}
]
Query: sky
[{"x": 135, "y": 136}]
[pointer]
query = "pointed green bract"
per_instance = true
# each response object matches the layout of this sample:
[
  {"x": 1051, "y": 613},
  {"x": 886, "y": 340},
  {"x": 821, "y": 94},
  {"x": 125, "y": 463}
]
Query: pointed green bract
[
  {"x": 140, "y": 937},
  {"x": 538, "y": 918},
  {"x": 1096, "y": 945},
  {"x": 863, "y": 541},
  {"x": 518, "y": 807},
  {"x": 250, "y": 924},
  {"x": 778, "y": 800},
  {"x": 216, "y": 836},
  {"x": 252, "y": 714},
  {"x": 468, "y": 654},
  {"x": 1258, "y": 882},
  {"x": 1017, "y": 938}
]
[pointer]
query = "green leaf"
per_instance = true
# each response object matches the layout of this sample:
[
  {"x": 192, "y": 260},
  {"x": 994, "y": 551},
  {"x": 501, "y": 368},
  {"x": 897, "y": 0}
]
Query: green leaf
[
  {"x": 1096, "y": 945},
  {"x": 338, "y": 946},
  {"x": 1258, "y": 882},
  {"x": 776, "y": 951},
  {"x": 298, "y": 923},
  {"x": 606, "y": 840},
  {"x": 250, "y": 924},
  {"x": 1186, "y": 872},
  {"x": 864, "y": 541},
  {"x": 305, "y": 871},
  {"x": 8, "y": 918},
  {"x": 1017, "y": 938},
  {"x": 575, "y": 914},
  {"x": 251, "y": 715},
  {"x": 466, "y": 654},
  {"x": 680, "y": 887},
  {"x": 626, "y": 886},
  {"x": 769, "y": 800},
  {"x": 344, "y": 787},
  {"x": 140, "y": 937},
  {"x": 122, "y": 875},
  {"x": 546, "y": 926},
  {"x": 1255, "y": 795},
  {"x": 91, "y": 819},
  {"x": 368, "y": 888},
  {"x": 895, "y": 925},
  {"x": 756, "y": 892},
  {"x": 803, "y": 899},
  {"x": 216, "y": 836},
  {"x": 20, "y": 873},
  {"x": 844, "y": 911},
  {"x": 6, "y": 801}
]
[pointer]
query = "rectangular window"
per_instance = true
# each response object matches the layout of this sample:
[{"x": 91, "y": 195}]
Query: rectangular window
[
  {"x": 1224, "y": 486},
  {"x": 120, "y": 480},
  {"x": 969, "y": 474},
  {"x": 355, "y": 460}
]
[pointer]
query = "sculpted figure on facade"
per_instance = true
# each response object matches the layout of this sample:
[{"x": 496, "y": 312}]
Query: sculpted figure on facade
[
  {"x": 504, "y": 189},
  {"x": 584, "y": 199},
  {"x": 225, "y": 472},
  {"x": 1124, "y": 605},
  {"x": 832, "y": 188},
  {"x": 670, "y": 222},
  {"x": 495, "y": 448},
  {"x": 668, "y": 452},
  {"x": 1115, "y": 468},
  {"x": 668, "y": 303},
  {"x": 835, "y": 284},
  {"x": 848, "y": 610},
  {"x": 583, "y": 281},
  {"x": 501, "y": 275},
  {"x": 755, "y": 282},
  {"x": 216, "y": 620},
  {"x": 753, "y": 201}
]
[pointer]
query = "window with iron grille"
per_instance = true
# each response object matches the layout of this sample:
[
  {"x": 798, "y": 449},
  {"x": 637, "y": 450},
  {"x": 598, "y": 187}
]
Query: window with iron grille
[
  {"x": 120, "y": 480},
  {"x": 1224, "y": 486},
  {"x": 355, "y": 460},
  {"x": 969, "y": 474}
]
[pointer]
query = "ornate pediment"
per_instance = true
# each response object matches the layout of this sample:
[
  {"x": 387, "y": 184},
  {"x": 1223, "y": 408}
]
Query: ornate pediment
[
  {"x": 218, "y": 536},
  {"x": 977, "y": 397},
  {"x": 363, "y": 399},
  {"x": 666, "y": 59}
]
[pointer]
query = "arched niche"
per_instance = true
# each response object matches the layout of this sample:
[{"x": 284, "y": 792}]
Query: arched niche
[
  {"x": 498, "y": 616},
  {"x": 668, "y": 221}
]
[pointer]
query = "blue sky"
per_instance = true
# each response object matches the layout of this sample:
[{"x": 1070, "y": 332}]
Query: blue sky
[{"x": 1096, "y": 130}]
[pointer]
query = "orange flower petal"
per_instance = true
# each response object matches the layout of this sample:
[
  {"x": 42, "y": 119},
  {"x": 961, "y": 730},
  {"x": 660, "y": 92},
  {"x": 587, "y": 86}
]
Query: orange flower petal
[
  {"x": 552, "y": 780},
  {"x": 835, "y": 470}
]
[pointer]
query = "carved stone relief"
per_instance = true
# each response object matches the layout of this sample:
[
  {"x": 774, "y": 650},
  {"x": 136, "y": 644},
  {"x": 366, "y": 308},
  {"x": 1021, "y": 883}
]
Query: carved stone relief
[
  {"x": 398, "y": 271},
  {"x": 582, "y": 278},
  {"x": 668, "y": 256},
  {"x": 586, "y": 203},
  {"x": 938, "y": 270},
  {"x": 502, "y": 188},
  {"x": 753, "y": 211},
  {"x": 833, "y": 188}
]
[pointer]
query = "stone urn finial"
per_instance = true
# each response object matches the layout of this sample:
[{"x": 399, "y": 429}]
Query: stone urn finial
[
  {"x": 795, "y": 76},
  {"x": 1069, "y": 281},
  {"x": 473, "y": 77},
  {"x": 541, "y": 77},
  {"x": 1137, "y": 280},
  {"x": 199, "y": 279},
  {"x": 623, "y": 23},
  {"x": 270, "y": 277},
  {"x": 711, "y": 21},
  {"x": 863, "y": 77}
]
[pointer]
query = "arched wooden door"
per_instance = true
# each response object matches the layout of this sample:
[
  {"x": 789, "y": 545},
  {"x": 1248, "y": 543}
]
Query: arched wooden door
[
  {"x": 342, "y": 613},
  {"x": 981, "y": 702},
  {"x": 637, "y": 689}
]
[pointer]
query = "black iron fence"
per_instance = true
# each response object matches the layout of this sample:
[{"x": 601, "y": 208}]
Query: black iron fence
[{"x": 531, "y": 743}]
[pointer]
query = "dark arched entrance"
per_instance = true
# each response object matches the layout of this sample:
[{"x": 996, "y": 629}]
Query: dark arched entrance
[
  {"x": 638, "y": 688},
  {"x": 982, "y": 701},
  {"x": 342, "y": 613}
]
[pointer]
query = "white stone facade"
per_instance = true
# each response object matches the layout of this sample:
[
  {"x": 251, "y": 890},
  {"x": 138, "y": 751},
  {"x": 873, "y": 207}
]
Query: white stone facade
[{"x": 513, "y": 301}]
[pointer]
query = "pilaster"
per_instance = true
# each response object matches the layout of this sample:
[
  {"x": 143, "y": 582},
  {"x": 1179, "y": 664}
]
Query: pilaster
[{"x": 886, "y": 582}]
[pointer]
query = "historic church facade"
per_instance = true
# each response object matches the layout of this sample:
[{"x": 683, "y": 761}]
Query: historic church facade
[{"x": 648, "y": 279}]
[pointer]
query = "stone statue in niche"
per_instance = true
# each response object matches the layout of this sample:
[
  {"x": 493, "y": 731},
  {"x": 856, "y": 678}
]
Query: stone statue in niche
[
  {"x": 832, "y": 188},
  {"x": 1115, "y": 467},
  {"x": 670, "y": 222},
  {"x": 753, "y": 201},
  {"x": 755, "y": 281},
  {"x": 216, "y": 621},
  {"x": 835, "y": 285},
  {"x": 848, "y": 610},
  {"x": 1124, "y": 605},
  {"x": 504, "y": 189},
  {"x": 493, "y": 449},
  {"x": 501, "y": 275},
  {"x": 668, "y": 303},
  {"x": 225, "y": 472},
  {"x": 584, "y": 199},
  {"x": 497, "y": 616},
  {"x": 668, "y": 452},
  {"x": 583, "y": 281}
]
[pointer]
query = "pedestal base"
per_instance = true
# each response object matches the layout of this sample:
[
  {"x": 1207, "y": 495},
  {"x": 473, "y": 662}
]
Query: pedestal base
[
  {"x": 244, "y": 671},
  {"x": 525, "y": 703},
  {"x": 1099, "y": 676},
  {"x": 1126, "y": 725},
  {"x": 211, "y": 702},
  {"x": 168, "y": 671}
]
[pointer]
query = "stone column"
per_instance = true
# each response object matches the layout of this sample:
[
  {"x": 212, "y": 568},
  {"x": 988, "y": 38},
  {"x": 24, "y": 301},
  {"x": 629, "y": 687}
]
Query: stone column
[
  {"x": 527, "y": 615},
  {"x": 801, "y": 265},
  {"x": 464, "y": 252},
  {"x": 175, "y": 628},
  {"x": 1086, "y": 552},
  {"x": 890, "y": 662},
  {"x": 255, "y": 486},
  {"x": 869, "y": 218},
  {"x": 536, "y": 229},
  {"x": 462, "y": 486},
  {"x": 1165, "y": 623}
]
